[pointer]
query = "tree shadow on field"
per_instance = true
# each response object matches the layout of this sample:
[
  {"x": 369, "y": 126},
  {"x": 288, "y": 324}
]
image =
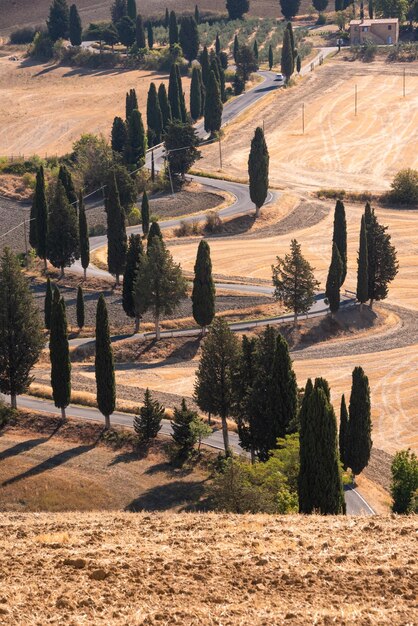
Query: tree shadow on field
[
  {"x": 26, "y": 446},
  {"x": 184, "y": 494},
  {"x": 235, "y": 226}
]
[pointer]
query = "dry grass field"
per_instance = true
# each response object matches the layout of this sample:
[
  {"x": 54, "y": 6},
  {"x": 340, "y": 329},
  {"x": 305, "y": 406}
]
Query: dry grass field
[
  {"x": 124, "y": 568},
  {"x": 45, "y": 108}
]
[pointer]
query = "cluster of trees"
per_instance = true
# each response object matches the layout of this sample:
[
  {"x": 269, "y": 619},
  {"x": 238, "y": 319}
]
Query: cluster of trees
[
  {"x": 64, "y": 22},
  {"x": 290, "y": 58},
  {"x": 128, "y": 138}
]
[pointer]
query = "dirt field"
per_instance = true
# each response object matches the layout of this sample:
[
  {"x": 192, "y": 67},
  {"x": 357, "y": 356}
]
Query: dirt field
[
  {"x": 120, "y": 568},
  {"x": 338, "y": 149},
  {"x": 46, "y": 108}
]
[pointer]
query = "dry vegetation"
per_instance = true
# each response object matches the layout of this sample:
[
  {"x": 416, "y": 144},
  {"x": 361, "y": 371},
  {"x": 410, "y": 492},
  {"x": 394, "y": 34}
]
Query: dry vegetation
[{"x": 124, "y": 568}]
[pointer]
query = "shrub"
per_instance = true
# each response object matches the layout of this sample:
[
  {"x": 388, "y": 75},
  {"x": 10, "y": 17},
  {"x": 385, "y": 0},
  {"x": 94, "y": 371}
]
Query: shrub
[
  {"x": 24, "y": 35},
  {"x": 134, "y": 217},
  {"x": 188, "y": 228},
  {"x": 404, "y": 188},
  {"x": 404, "y": 481},
  {"x": 213, "y": 222},
  {"x": 6, "y": 414},
  {"x": 98, "y": 230},
  {"x": 321, "y": 20},
  {"x": 41, "y": 47}
]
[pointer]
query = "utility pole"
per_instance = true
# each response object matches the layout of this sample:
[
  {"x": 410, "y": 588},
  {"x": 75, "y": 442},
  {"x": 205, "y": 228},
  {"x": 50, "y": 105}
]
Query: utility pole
[
  {"x": 355, "y": 99},
  {"x": 303, "y": 118},
  {"x": 169, "y": 175},
  {"x": 220, "y": 152},
  {"x": 26, "y": 244}
]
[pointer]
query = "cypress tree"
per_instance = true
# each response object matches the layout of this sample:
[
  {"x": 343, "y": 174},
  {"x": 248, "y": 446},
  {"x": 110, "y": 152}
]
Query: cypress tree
[
  {"x": 131, "y": 9},
  {"x": 75, "y": 27},
  {"x": 133, "y": 258},
  {"x": 322, "y": 383},
  {"x": 237, "y": 8},
  {"x": 236, "y": 47},
  {"x": 116, "y": 230},
  {"x": 292, "y": 37},
  {"x": 33, "y": 218},
  {"x": 196, "y": 14},
  {"x": 164, "y": 106},
  {"x": 189, "y": 38},
  {"x": 145, "y": 213},
  {"x": 243, "y": 387},
  {"x": 21, "y": 337},
  {"x": 359, "y": 441},
  {"x": 342, "y": 435},
  {"x": 195, "y": 95},
  {"x": 258, "y": 170},
  {"x": 217, "y": 45},
  {"x": 203, "y": 294},
  {"x": 65, "y": 177},
  {"x": 48, "y": 305},
  {"x": 298, "y": 64},
  {"x": 287, "y": 62},
  {"x": 370, "y": 9},
  {"x": 183, "y": 111},
  {"x": 140, "y": 32},
  {"x": 63, "y": 240},
  {"x": 213, "y": 106},
  {"x": 282, "y": 394},
  {"x": 255, "y": 49},
  {"x": 332, "y": 289},
  {"x": 80, "y": 307},
  {"x": 289, "y": 8},
  {"x": 119, "y": 135},
  {"x": 214, "y": 66},
  {"x": 148, "y": 423},
  {"x": 154, "y": 231},
  {"x": 38, "y": 231},
  {"x": 84, "y": 235},
  {"x": 136, "y": 146},
  {"x": 118, "y": 10},
  {"x": 174, "y": 95},
  {"x": 173, "y": 31},
  {"x": 339, "y": 236},
  {"x": 362, "y": 292},
  {"x": 103, "y": 364},
  {"x": 60, "y": 355},
  {"x": 270, "y": 57},
  {"x": 154, "y": 117},
  {"x": 202, "y": 93},
  {"x": 150, "y": 36},
  {"x": 382, "y": 262},
  {"x": 131, "y": 103},
  {"x": 167, "y": 18},
  {"x": 183, "y": 434},
  {"x": 59, "y": 20},
  {"x": 204, "y": 62}
]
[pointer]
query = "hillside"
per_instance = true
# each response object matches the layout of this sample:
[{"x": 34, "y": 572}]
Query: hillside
[{"x": 124, "y": 568}]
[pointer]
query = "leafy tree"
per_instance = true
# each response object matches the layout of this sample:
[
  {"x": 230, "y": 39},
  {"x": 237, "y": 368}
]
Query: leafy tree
[
  {"x": 133, "y": 259},
  {"x": 203, "y": 294},
  {"x": 80, "y": 307},
  {"x": 258, "y": 170},
  {"x": 103, "y": 364},
  {"x": 271, "y": 62},
  {"x": 342, "y": 434},
  {"x": 126, "y": 30},
  {"x": 38, "y": 230},
  {"x": 160, "y": 284},
  {"x": 183, "y": 434},
  {"x": 110, "y": 35},
  {"x": 189, "y": 38},
  {"x": 404, "y": 187},
  {"x": 148, "y": 423},
  {"x": 289, "y": 8},
  {"x": 118, "y": 10},
  {"x": 288, "y": 61},
  {"x": 126, "y": 186},
  {"x": 21, "y": 338},
  {"x": 213, "y": 106},
  {"x": 150, "y": 36},
  {"x": 245, "y": 62},
  {"x": 174, "y": 94},
  {"x": 294, "y": 281},
  {"x": 213, "y": 387},
  {"x": 131, "y": 103},
  {"x": 382, "y": 263},
  {"x": 63, "y": 240},
  {"x": 339, "y": 236},
  {"x": 154, "y": 117},
  {"x": 131, "y": 10},
  {"x": 195, "y": 94},
  {"x": 173, "y": 30},
  {"x": 320, "y": 5},
  {"x": 119, "y": 135},
  {"x": 180, "y": 135},
  {"x": 332, "y": 289},
  {"x": 48, "y": 305},
  {"x": 165, "y": 106},
  {"x": 145, "y": 213},
  {"x": 140, "y": 32},
  {"x": 58, "y": 22},
  {"x": 200, "y": 430},
  {"x": 75, "y": 27},
  {"x": 60, "y": 355},
  {"x": 359, "y": 441},
  {"x": 136, "y": 145},
  {"x": 237, "y": 8},
  {"x": 65, "y": 177},
  {"x": 404, "y": 482},
  {"x": 116, "y": 230},
  {"x": 363, "y": 269},
  {"x": 391, "y": 8}
]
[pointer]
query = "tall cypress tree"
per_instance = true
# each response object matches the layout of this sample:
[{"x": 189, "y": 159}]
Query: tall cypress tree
[
  {"x": 359, "y": 441},
  {"x": 84, "y": 235},
  {"x": 167, "y": 18},
  {"x": 131, "y": 103},
  {"x": 204, "y": 62},
  {"x": 145, "y": 213},
  {"x": 183, "y": 111},
  {"x": 271, "y": 63},
  {"x": 80, "y": 308},
  {"x": 213, "y": 106},
  {"x": 382, "y": 262},
  {"x": 104, "y": 367},
  {"x": 342, "y": 435},
  {"x": 332, "y": 289},
  {"x": 164, "y": 106},
  {"x": 362, "y": 292},
  {"x": 195, "y": 95},
  {"x": 131, "y": 9},
  {"x": 58, "y": 21},
  {"x": 154, "y": 117},
  {"x": 287, "y": 62},
  {"x": 255, "y": 49},
  {"x": 307, "y": 450},
  {"x": 75, "y": 27},
  {"x": 119, "y": 135},
  {"x": 236, "y": 47},
  {"x": 133, "y": 258},
  {"x": 258, "y": 170},
  {"x": 60, "y": 355},
  {"x": 63, "y": 240},
  {"x": 173, "y": 94},
  {"x": 242, "y": 387},
  {"x": 140, "y": 32},
  {"x": 48, "y": 305},
  {"x": 116, "y": 230},
  {"x": 65, "y": 177},
  {"x": 203, "y": 294},
  {"x": 150, "y": 35},
  {"x": 136, "y": 146},
  {"x": 292, "y": 37},
  {"x": 202, "y": 93},
  {"x": 339, "y": 236},
  {"x": 173, "y": 31},
  {"x": 189, "y": 38},
  {"x": 38, "y": 231},
  {"x": 197, "y": 14},
  {"x": 217, "y": 45},
  {"x": 282, "y": 393}
]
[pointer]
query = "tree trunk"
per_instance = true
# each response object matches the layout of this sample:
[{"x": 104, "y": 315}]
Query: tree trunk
[
  {"x": 62, "y": 272},
  {"x": 295, "y": 319},
  {"x": 225, "y": 434},
  {"x": 45, "y": 265},
  {"x": 13, "y": 401},
  {"x": 257, "y": 211},
  {"x": 85, "y": 273},
  {"x": 63, "y": 415},
  {"x": 117, "y": 280},
  {"x": 252, "y": 455},
  {"x": 371, "y": 303},
  {"x": 361, "y": 307},
  {"x": 137, "y": 322},
  {"x": 157, "y": 328},
  {"x": 107, "y": 422}
]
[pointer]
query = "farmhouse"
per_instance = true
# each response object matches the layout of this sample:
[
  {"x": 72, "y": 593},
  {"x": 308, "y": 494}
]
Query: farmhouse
[{"x": 383, "y": 32}]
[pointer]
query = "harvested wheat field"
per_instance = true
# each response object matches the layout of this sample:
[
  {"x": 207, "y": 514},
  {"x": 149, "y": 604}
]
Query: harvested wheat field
[
  {"x": 45, "y": 108},
  {"x": 121, "y": 568}
]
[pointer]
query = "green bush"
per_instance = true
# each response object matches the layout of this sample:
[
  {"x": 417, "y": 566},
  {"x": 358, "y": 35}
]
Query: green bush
[
  {"x": 134, "y": 217},
  {"x": 97, "y": 231},
  {"x": 321, "y": 20},
  {"x": 404, "y": 188},
  {"x": 24, "y": 35},
  {"x": 41, "y": 47},
  {"x": 404, "y": 482}
]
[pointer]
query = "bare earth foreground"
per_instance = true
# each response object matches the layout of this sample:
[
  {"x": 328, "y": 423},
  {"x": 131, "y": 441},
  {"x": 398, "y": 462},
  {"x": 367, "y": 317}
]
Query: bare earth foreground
[{"x": 207, "y": 569}]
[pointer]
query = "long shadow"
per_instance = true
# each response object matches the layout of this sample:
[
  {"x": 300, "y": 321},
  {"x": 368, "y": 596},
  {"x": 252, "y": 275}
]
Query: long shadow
[
  {"x": 265, "y": 89},
  {"x": 164, "y": 497},
  {"x": 25, "y": 446}
]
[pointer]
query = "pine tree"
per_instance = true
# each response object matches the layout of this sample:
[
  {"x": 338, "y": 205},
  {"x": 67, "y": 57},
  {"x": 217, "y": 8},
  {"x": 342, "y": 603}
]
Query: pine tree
[
  {"x": 287, "y": 62},
  {"x": 294, "y": 282},
  {"x": 237, "y": 8},
  {"x": 75, "y": 27},
  {"x": 173, "y": 31},
  {"x": 150, "y": 36},
  {"x": 271, "y": 62},
  {"x": 255, "y": 49},
  {"x": 195, "y": 95},
  {"x": 116, "y": 230},
  {"x": 80, "y": 307},
  {"x": 213, "y": 106},
  {"x": 131, "y": 9},
  {"x": 154, "y": 231},
  {"x": 258, "y": 170},
  {"x": 183, "y": 111},
  {"x": 131, "y": 103},
  {"x": 332, "y": 289},
  {"x": 38, "y": 231},
  {"x": 48, "y": 305},
  {"x": 133, "y": 259},
  {"x": 84, "y": 235},
  {"x": 119, "y": 135},
  {"x": 382, "y": 262},
  {"x": 342, "y": 435},
  {"x": 63, "y": 240},
  {"x": 65, "y": 177},
  {"x": 362, "y": 292},
  {"x": 164, "y": 106},
  {"x": 359, "y": 441},
  {"x": 21, "y": 338},
  {"x": 189, "y": 38},
  {"x": 59, "y": 20},
  {"x": 339, "y": 236},
  {"x": 173, "y": 94},
  {"x": 103, "y": 364},
  {"x": 197, "y": 14},
  {"x": 154, "y": 117},
  {"x": 140, "y": 32},
  {"x": 289, "y": 8},
  {"x": 182, "y": 425},
  {"x": 214, "y": 376},
  {"x": 145, "y": 213},
  {"x": 60, "y": 355},
  {"x": 203, "y": 294},
  {"x": 236, "y": 48},
  {"x": 136, "y": 145},
  {"x": 148, "y": 423}
]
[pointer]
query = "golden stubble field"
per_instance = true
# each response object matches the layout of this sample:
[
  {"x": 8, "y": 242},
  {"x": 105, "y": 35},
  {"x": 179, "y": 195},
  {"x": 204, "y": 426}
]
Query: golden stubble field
[{"x": 45, "y": 108}]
